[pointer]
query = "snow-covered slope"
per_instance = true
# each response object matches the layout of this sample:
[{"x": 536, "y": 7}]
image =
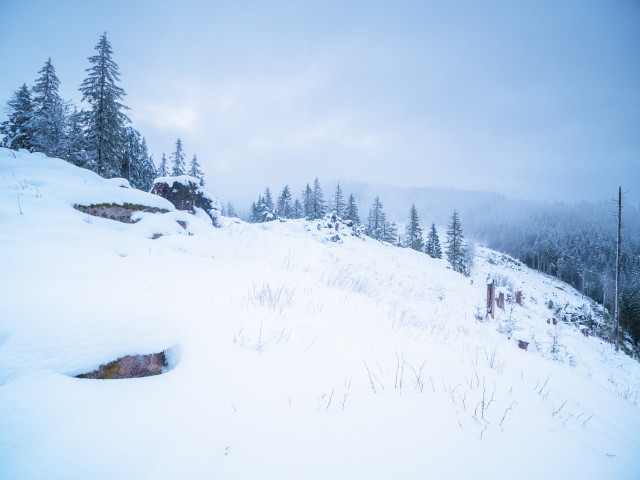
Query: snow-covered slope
[{"x": 291, "y": 356}]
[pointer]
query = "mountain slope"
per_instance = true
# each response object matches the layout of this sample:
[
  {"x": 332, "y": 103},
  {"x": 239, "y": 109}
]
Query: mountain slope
[{"x": 290, "y": 356}]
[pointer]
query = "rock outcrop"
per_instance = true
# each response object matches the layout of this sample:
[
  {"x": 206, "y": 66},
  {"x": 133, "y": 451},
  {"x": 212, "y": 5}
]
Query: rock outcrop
[
  {"x": 186, "y": 194},
  {"x": 120, "y": 213},
  {"x": 130, "y": 366}
]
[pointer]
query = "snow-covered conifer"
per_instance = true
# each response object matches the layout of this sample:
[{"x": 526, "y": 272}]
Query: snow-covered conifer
[
  {"x": 17, "y": 129},
  {"x": 163, "y": 171},
  {"x": 413, "y": 232},
  {"x": 455, "y": 247},
  {"x": 307, "y": 202},
  {"x": 432, "y": 247},
  {"x": 178, "y": 160},
  {"x": 49, "y": 118},
  {"x": 351, "y": 211},
  {"x": 194, "y": 170},
  {"x": 337, "y": 202},
  {"x": 105, "y": 133},
  {"x": 318, "y": 205},
  {"x": 284, "y": 208}
]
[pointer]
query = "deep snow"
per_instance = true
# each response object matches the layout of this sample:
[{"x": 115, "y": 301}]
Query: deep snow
[{"x": 291, "y": 356}]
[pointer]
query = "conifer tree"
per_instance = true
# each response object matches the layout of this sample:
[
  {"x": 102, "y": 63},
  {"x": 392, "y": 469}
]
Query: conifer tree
[
  {"x": 351, "y": 211},
  {"x": 146, "y": 167},
  {"x": 455, "y": 248},
  {"x": 376, "y": 221},
  {"x": 194, "y": 170},
  {"x": 337, "y": 202},
  {"x": 75, "y": 145},
  {"x": 413, "y": 232},
  {"x": 178, "y": 160},
  {"x": 17, "y": 128},
  {"x": 49, "y": 118},
  {"x": 162, "y": 169},
  {"x": 284, "y": 208},
  {"x": 318, "y": 205},
  {"x": 105, "y": 134},
  {"x": 268, "y": 200},
  {"x": 298, "y": 211},
  {"x": 307, "y": 202},
  {"x": 130, "y": 160},
  {"x": 432, "y": 247}
]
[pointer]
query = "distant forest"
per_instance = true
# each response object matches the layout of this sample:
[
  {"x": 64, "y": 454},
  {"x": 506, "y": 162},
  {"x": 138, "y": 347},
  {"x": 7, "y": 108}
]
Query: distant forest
[{"x": 574, "y": 243}]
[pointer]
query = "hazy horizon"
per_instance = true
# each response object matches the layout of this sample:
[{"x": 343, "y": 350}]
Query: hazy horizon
[{"x": 533, "y": 102}]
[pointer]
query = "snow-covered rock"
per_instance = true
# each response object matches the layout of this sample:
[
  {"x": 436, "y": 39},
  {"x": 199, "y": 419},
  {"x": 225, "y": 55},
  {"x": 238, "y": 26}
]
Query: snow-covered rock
[{"x": 186, "y": 194}]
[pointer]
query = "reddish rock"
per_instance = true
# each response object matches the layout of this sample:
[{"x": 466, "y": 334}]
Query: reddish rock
[{"x": 130, "y": 366}]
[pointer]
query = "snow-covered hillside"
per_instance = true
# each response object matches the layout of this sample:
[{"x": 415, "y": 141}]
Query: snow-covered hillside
[{"x": 290, "y": 355}]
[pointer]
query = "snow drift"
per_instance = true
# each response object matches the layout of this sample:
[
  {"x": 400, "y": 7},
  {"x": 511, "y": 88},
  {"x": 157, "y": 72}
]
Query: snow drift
[{"x": 292, "y": 356}]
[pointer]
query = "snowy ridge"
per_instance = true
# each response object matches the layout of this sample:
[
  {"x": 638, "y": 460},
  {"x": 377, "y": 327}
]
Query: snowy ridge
[{"x": 292, "y": 356}]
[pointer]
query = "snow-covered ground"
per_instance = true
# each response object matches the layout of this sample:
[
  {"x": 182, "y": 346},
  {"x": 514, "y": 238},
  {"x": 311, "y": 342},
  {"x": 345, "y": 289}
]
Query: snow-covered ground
[{"x": 291, "y": 356}]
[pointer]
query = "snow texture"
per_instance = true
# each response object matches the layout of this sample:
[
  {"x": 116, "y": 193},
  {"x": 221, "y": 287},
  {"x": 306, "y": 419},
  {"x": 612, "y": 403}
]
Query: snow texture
[{"x": 290, "y": 355}]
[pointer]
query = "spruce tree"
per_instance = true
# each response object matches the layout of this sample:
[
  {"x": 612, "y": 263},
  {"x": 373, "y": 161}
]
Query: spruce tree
[
  {"x": 17, "y": 128},
  {"x": 194, "y": 170},
  {"x": 284, "y": 208},
  {"x": 432, "y": 247},
  {"x": 413, "y": 232},
  {"x": 105, "y": 134},
  {"x": 337, "y": 202},
  {"x": 455, "y": 248},
  {"x": 307, "y": 202},
  {"x": 49, "y": 118},
  {"x": 351, "y": 211},
  {"x": 162, "y": 169},
  {"x": 178, "y": 160},
  {"x": 298, "y": 211},
  {"x": 76, "y": 148},
  {"x": 268, "y": 201},
  {"x": 376, "y": 222},
  {"x": 318, "y": 205}
]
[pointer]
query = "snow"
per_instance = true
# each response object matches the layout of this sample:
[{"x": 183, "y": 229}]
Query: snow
[{"x": 291, "y": 356}]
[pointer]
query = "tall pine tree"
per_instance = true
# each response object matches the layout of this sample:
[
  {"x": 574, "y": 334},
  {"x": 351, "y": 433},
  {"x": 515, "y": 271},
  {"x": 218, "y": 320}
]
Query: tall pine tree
[
  {"x": 106, "y": 121},
  {"x": 178, "y": 160},
  {"x": 455, "y": 248},
  {"x": 413, "y": 232},
  {"x": 194, "y": 170},
  {"x": 49, "y": 119},
  {"x": 163, "y": 170},
  {"x": 318, "y": 205},
  {"x": 284, "y": 208},
  {"x": 337, "y": 202},
  {"x": 351, "y": 211},
  {"x": 376, "y": 222},
  {"x": 307, "y": 202},
  {"x": 432, "y": 247},
  {"x": 17, "y": 128}
]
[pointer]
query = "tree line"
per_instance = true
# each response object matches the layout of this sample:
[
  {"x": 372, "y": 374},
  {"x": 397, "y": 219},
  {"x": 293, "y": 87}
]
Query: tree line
[
  {"x": 100, "y": 137},
  {"x": 311, "y": 205}
]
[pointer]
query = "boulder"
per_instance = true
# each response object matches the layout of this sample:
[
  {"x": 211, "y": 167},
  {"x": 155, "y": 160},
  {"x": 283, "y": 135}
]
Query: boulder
[
  {"x": 130, "y": 366},
  {"x": 186, "y": 194},
  {"x": 121, "y": 213}
]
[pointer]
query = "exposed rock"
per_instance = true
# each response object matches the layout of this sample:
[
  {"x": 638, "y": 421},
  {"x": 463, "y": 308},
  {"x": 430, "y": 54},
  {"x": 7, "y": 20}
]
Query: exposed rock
[
  {"x": 130, "y": 366},
  {"x": 121, "y": 213},
  {"x": 186, "y": 194}
]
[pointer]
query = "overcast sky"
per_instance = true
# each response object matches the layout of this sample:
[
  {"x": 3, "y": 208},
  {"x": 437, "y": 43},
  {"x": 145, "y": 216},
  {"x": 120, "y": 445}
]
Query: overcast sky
[{"x": 530, "y": 99}]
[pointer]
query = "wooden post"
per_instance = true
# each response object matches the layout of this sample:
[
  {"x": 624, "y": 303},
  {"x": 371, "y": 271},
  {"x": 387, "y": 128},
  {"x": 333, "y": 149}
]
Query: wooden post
[
  {"x": 491, "y": 295},
  {"x": 519, "y": 297},
  {"x": 501, "y": 301},
  {"x": 618, "y": 271}
]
